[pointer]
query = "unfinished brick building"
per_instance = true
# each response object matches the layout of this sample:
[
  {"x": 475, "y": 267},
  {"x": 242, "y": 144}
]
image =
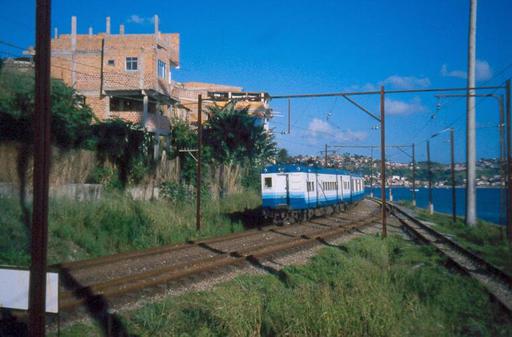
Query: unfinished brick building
[
  {"x": 219, "y": 94},
  {"x": 120, "y": 75}
]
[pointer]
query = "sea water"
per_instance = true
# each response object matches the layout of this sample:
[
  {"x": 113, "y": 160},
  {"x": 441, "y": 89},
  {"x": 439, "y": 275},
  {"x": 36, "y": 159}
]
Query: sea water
[{"x": 490, "y": 201}]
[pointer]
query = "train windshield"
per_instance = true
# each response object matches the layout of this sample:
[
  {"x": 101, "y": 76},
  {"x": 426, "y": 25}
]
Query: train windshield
[{"x": 268, "y": 182}]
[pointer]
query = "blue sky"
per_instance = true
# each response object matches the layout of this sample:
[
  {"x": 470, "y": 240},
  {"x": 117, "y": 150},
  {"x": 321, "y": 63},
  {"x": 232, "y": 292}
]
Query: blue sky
[{"x": 285, "y": 47}]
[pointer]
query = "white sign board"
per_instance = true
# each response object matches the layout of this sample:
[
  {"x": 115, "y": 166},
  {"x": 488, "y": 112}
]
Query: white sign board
[{"x": 14, "y": 285}]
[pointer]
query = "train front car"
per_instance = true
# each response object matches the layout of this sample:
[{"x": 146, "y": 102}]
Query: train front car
[
  {"x": 282, "y": 192},
  {"x": 293, "y": 193}
]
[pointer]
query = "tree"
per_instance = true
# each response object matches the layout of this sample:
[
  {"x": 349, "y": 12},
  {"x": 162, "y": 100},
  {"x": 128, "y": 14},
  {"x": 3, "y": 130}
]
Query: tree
[
  {"x": 126, "y": 145},
  {"x": 70, "y": 121},
  {"x": 183, "y": 137},
  {"x": 70, "y": 116},
  {"x": 232, "y": 137},
  {"x": 282, "y": 156}
]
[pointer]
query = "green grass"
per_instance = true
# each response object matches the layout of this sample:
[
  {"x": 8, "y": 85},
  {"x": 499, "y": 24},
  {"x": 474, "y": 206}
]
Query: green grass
[
  {"x": 116, "y": 223},
  {"x": 371, "y": 287},
  {"x": 486, "y": 239}
]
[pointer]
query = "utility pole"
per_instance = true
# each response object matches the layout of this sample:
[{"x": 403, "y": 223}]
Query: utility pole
[
  {"x": 454, "y": 196},
  {"x": 429, "y": 166},
  {"x": 199, "y": 161},
  {"x": 509, "y": 166},
  {"x": 325, "y": 155},
  {"x": 42, "y": 154},
  {"x": 470, "y": 121},
  {"x": 289, "y": 115},
  {"x": 413, "y": 176},
  {"x": 371, "y": 173},
  {"x": 383, "y": 161},
  {"x": 503, "y": 154},
  {"x": 390, "y": 188}
]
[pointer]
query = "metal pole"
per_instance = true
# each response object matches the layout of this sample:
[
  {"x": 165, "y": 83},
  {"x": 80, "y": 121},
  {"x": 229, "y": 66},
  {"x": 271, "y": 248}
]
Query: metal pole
[
  {"x": 325, "y": 160},
  {"x": 390, "y": 189},
  {"x": 509, "y": 166},
  {"x": 199, "y": 156},
  {"x": 503, "y": 192},
  {"x": 454, "y": 196},
  {"x": 413, "y": 175},
  {"x": 289, "y": 115},
  {"x": 470, "y": 122},
  {"x": 429, "y": 166},
  {"x": 383, "y": 162},
  {"x": 371, "y": 173},
  {"x": 42, "y": 154}
]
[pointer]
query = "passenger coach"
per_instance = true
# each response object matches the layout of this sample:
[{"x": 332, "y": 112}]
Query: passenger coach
[{"x": 296, "y": 192}]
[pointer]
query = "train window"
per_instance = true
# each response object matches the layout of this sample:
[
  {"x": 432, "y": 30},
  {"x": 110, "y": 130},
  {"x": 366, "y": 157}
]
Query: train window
[
  {"x": 311, "y": 186},
  {"x": 268, "y": 182}
]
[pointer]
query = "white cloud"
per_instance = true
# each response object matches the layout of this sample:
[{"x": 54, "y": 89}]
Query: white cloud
[
  {"x": 320, "y": 129},
  {"x": 364, "y": 87},
  {"x": 452, "y": 73},
  {"x": 319, "y": 126},
  {"x": 483, "y": 71},
  {"x": 395, "y": 82},
  {"x": 397, "y": 107},
  {"x": 406, "y": 82},
  {"x": 140, "y": 20}
]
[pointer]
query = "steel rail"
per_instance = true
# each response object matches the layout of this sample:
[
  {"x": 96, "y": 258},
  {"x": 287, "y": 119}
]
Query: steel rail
[
  {"x": 102, "y": 260},
  {"x": 495, "y": 280},
  {"x": 132, "y": 283}
]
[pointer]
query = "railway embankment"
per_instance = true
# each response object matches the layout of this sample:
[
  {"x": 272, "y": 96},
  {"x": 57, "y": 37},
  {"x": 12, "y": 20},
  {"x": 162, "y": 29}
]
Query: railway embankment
[
  {"x": 485, "y": 239},
  {"x": 116, "y": 223},
  {"x": 362, "y": 287}
]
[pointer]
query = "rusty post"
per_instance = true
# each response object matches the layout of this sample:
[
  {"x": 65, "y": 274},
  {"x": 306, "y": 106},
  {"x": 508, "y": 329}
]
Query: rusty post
[
  {"x": 325, "y": 155},
  {"x": 503, "y": 154},
  {"x": 429, "y": 168},
  {"x": 509, "y": 166},
  {"x": 414, "y": 175},
  {"x": 452, "y": 166},
  {"x": 289, "y": 115},
  {"x": 383, "y": 162},
  {"x": 199, "y": 157},
  {"x": 371, "y": 173},
  {"x": 42, "y": 154}
]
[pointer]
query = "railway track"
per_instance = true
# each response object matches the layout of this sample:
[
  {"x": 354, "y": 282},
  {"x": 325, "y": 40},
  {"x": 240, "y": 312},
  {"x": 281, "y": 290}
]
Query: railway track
[
  {"x": 494, "y": 280},
  {"x": 94, "y": 284}
]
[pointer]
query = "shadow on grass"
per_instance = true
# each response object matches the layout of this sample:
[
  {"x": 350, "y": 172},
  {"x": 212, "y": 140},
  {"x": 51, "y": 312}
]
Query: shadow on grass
[
  {"x": 97, "y": 307},
  {"x": 10, "y": 325},
  {"x": 280, "y": 274}
]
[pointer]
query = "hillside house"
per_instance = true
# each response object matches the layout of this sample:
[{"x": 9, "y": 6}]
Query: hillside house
[
  {"x": 120, "y": 75},
  {"x": 218, "y": 94}
]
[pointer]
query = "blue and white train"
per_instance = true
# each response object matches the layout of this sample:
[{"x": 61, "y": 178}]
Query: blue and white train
[{"x": 295, "y": 192}]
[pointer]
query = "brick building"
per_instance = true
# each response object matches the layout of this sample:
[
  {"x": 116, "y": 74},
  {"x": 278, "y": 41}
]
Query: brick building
[
  {"x": 218, "y": 94},
  {"x": 120, "y": 75}
]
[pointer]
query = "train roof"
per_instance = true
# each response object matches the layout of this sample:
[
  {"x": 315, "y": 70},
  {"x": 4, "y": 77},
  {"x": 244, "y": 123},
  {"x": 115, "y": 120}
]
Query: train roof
[{"x": 303, "y": 168}]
